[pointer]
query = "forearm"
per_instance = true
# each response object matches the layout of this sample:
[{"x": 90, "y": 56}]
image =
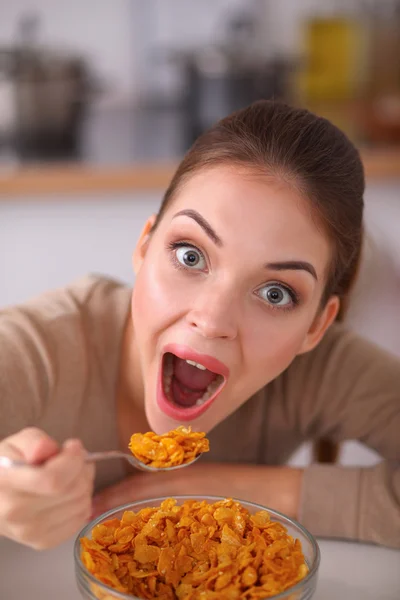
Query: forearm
[
  {"x": 274, "y": 487},
  {"x": 353, "y": 502}
]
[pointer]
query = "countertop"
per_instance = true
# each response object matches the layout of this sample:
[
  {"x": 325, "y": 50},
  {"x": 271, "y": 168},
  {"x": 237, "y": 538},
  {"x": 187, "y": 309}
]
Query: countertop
[
  {"x": 130, "y": 150},
  {"x": 348, "y": 571}
]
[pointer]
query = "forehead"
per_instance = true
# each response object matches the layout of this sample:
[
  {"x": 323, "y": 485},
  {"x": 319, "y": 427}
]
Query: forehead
[{"x": 249, "y": 210}]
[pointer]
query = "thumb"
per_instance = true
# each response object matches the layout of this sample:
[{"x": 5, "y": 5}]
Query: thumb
[{"x": 31, "y": 445}]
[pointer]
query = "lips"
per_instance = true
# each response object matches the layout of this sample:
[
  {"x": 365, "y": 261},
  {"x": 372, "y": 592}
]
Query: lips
[
  {"x": 186, "y": 353},
  {"x": 181, "y": 394}
]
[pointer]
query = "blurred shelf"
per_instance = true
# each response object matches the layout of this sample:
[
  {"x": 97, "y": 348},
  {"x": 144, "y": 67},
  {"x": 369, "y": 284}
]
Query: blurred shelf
[
  {"x": 84, "y": 178},
  {"x": 77, "y": 178},
  {"x": 380, "y": 163},
  {"x": 132, "y": 150}
]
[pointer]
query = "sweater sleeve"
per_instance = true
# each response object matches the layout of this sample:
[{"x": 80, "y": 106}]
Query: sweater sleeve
[
  {"x": 27, "y": 370},
  {"x": 42, "y": 359},
  {"x": 350, "y": 390}
]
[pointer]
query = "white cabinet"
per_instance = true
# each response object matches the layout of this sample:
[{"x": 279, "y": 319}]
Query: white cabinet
[
  {"x": 45, "y": 243},
  {"x": 375, "y": 307}
]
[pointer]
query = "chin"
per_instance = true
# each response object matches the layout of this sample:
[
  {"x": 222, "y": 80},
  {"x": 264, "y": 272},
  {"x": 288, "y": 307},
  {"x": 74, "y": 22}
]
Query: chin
[{"x": 158, "y": 421}]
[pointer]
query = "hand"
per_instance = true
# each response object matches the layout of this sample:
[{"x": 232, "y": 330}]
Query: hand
[
  {"x": 274, "y": 487},
  {"x": 43, "y": 504}
]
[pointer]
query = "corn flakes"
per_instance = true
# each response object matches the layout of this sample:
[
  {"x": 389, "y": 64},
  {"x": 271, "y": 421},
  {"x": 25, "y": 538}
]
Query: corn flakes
[
  {"x": 178, "y": 447},
  {"x": 195, "y": 551}
]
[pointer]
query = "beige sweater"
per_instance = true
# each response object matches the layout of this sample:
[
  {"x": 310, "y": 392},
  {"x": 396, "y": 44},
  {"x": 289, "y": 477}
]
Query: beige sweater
[{"x": 59, "y": 356}]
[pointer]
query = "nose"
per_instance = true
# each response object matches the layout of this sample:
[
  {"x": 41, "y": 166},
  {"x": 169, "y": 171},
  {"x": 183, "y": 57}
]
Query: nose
[{"x": 214, "y": 315}]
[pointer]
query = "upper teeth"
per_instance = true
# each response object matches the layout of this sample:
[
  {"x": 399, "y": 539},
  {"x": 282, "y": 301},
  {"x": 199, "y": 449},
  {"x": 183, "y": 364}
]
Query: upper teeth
[{"x": 195, "y": 364}]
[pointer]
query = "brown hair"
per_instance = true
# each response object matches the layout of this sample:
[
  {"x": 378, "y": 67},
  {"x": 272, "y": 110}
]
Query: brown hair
[{"x": 306, "y": 151}]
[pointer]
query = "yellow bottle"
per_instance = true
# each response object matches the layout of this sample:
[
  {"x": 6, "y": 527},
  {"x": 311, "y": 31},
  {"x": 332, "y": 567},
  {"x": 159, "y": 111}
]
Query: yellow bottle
[{"x": 332, "y": 48}]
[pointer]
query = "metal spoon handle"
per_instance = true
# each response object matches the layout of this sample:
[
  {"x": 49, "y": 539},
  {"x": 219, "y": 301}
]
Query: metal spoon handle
[
  {"x": 132, "y": 460},
  {"x": 95, "y": 456},
  {"x": 9, "y": 463}
]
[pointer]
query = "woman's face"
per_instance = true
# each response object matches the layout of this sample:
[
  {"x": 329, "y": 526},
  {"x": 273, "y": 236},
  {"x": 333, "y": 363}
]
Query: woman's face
[{"x": 227, "y": 294}]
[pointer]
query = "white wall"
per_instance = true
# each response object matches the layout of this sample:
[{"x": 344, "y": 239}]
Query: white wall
[
  {"x": 48, "y": 243},
  {"x": 375, "y": 309}
]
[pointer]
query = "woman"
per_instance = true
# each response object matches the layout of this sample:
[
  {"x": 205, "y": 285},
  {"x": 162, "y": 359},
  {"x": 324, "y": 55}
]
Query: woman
[{"x": 230, "y": 328}]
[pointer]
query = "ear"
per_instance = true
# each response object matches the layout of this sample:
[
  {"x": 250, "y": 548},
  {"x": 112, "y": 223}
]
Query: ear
[
  {"x": 320, "y": 325},
  {"x": 142, "y": 244}
]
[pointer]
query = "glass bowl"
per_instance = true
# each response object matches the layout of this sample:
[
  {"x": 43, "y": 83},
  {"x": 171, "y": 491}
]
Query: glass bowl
[{"x": 92, "y": 589}]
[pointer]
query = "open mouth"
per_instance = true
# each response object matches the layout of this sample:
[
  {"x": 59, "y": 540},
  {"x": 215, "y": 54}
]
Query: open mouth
[{"x": 189, "y": 383}]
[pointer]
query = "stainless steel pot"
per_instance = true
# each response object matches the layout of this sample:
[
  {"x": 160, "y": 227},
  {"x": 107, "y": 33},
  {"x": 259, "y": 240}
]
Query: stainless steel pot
[{"x": 43, "y": 95}]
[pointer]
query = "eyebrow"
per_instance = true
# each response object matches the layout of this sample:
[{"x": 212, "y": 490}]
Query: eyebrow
[
  {"x": 205, "y": 225},
  {"x": 293, "y": 265}
]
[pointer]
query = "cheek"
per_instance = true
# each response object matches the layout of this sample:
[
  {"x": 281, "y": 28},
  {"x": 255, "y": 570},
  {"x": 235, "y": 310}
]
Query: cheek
[
  {"x": 272, "y": 346},
  {"x": 155, "y": 298}
]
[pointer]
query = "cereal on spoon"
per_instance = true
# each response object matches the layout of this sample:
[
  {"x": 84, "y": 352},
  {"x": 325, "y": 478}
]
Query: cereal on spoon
[{"x": 177, "y": 447}]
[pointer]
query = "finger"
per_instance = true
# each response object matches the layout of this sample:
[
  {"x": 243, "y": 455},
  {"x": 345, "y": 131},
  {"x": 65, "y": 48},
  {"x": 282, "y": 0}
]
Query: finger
[
  {"x": 60, "y": 472},
  {"x": 22, "y": 512},
  {"x": 79, "y": 486},
  {"x": 31, "y": 445},
  {"x": 51, "y": 478},
  {"x": 76, "y": 448},
  {"x": 51, "y": 527}
]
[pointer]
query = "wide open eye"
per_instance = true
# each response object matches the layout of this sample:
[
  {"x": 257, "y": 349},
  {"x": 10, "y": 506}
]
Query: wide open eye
[
  {"x": 277, "y": 295},
  {"x": 190, "y": 257}
]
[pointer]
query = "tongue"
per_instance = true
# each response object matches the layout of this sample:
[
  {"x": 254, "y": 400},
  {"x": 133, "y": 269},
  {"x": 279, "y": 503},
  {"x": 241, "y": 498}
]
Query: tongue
[
  {"x": 183, "y": 395},
  {"x": 192, "y": 377},
  {"x": 189, "y": 383}
]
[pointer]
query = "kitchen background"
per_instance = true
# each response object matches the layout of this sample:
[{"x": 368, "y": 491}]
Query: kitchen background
[{"x": 99, "y": 99}]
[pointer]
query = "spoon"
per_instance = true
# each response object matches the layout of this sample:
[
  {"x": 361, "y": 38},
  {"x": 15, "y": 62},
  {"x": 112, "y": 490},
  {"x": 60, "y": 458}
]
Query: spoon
[{"x": 95, "y": 456}]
